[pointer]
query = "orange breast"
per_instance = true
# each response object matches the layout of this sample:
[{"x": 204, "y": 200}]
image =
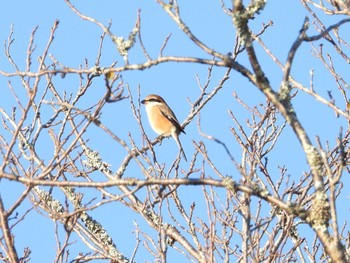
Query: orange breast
[{"x": 160, "y": 124}]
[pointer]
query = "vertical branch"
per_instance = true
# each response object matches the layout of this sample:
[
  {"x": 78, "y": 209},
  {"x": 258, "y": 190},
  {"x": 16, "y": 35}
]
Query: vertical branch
[
  {"x": 8, "y": 237},
  {"x": 319, "y": 214},
  {"x": 281, "y": 101}
]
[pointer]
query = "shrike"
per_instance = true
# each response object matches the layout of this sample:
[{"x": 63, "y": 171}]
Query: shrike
[{"x": 162, "y": 119}]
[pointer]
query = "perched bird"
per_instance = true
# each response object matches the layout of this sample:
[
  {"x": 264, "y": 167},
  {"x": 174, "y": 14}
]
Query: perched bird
[{"x": 162, "y": 119}]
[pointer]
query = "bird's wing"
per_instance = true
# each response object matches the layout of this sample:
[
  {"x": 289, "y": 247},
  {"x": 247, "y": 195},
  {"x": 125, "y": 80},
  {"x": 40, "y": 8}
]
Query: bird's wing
[{"x": 172, "y": 118}]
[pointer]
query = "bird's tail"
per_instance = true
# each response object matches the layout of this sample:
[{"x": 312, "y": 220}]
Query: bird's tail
[
  {"x": 176, "y": 137},
  {"x": 183, "y": 153}
]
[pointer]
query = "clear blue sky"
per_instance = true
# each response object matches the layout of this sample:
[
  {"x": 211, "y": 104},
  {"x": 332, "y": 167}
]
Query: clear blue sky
[{"x": 77, "y": 40}]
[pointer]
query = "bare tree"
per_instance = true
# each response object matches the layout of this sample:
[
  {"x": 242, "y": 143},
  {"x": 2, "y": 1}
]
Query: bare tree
[{"x": 261, "y": 215}]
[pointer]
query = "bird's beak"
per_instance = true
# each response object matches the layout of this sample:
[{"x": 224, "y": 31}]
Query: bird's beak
[{"x": 143, "y": 101}]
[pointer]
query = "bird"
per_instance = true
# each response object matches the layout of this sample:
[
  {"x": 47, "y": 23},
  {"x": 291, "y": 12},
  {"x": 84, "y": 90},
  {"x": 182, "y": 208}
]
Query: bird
[{"x": 163, "y": 120}]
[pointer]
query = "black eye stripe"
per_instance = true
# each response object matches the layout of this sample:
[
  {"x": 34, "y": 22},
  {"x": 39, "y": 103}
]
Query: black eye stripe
[{"x": 154, "y": 100}]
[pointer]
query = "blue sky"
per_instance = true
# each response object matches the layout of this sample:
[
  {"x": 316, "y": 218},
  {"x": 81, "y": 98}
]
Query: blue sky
[{"x": 77, "y": 40}]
